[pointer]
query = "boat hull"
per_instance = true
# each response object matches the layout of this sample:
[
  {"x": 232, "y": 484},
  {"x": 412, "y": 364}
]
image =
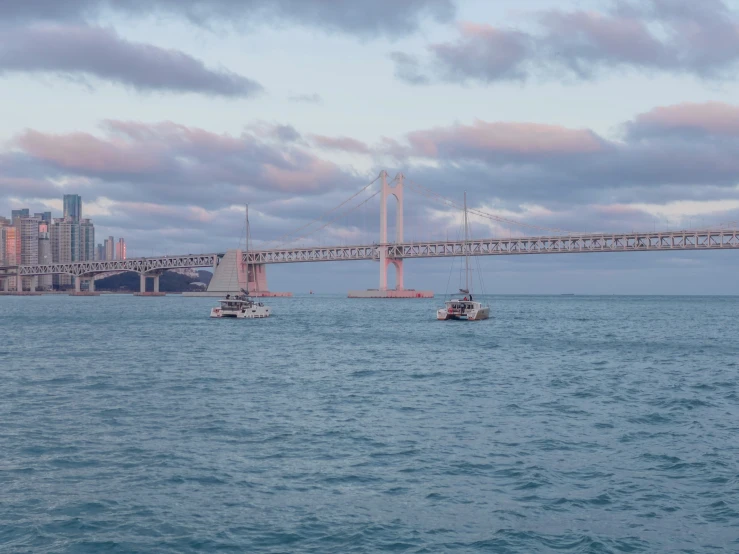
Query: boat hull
[
  {"x": 473, "y": 315},
  {"x": 257, "y": 312}
]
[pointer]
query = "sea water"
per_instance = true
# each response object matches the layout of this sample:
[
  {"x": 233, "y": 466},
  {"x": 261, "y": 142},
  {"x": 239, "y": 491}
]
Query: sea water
[{"x": 569, "y": 424}]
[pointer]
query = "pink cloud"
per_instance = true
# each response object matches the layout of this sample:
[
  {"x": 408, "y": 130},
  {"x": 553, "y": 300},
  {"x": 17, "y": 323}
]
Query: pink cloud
[
  {"x": 589, "y": 35},
  {"x": 175, "y": 134},
  {"x": 176, "y": 160},
  {"x": 483, "y": 138},
  {"x": 710, "y": 117},
  {"x": 308, "y": 177},
  {"x": 82, "y": 151}
]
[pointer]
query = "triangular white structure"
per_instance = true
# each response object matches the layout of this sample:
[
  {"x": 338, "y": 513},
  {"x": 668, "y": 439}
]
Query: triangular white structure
[{"x": 230, "y": 275}]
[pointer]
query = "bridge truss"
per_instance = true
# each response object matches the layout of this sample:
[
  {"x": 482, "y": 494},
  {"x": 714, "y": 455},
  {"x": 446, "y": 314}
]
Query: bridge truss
[
  {"x": 571, "y": 244},
  {"x": 139, "y": 265}
]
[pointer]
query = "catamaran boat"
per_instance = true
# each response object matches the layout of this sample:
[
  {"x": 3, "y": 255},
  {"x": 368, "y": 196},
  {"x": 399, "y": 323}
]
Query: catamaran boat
[
  {"x": 465, "y": 307},
  {"x": 240, "y": 306}
]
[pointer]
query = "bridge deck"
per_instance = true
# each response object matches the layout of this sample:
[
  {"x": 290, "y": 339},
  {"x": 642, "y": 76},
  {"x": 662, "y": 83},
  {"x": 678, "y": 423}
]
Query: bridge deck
[{"x": 566, "y": 244}]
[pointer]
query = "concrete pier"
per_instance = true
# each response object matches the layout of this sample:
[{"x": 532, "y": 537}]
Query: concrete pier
[
  {"x": 390, "y": 294},
  {"x": 78, "y": 287},
  {"x": 142, "y": 287}
]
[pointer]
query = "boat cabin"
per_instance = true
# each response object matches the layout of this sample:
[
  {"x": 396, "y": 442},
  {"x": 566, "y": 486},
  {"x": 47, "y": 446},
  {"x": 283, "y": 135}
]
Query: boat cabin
[{"x": 461, "y": 306}]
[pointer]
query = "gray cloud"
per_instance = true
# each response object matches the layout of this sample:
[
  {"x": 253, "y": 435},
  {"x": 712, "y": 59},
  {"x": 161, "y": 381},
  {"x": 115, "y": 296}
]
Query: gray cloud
[
  {"x": 100, "y": 52},
  {"x": 173, "y": 164},
  {"x": 682, "y": 152},
  {"x": 687, "y": 120},
  {"x": 701, "y": 39},
  {"x": 483, "y": 53},
  {"x": 408, "y": 69},
  {"x": 306, "y": 98},
  {"x": 345, "y": 144},
  {"x": 362, "y": 17}
]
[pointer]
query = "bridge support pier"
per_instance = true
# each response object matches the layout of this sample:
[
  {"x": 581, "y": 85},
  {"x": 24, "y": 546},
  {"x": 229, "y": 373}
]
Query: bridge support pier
[
  {"x": 142, "y": 285},
  {"x": 78, "y": 286},
  {"x": 257, "y": 278}
]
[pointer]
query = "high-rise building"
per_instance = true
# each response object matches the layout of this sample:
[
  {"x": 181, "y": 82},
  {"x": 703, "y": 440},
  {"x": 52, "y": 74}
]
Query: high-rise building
[
  {"x": 120, "y": 250},
  {"x": 45, "y": 282},
  {"x": 28, "y": 227},
  {"x": 4, "y": 221},
  {"x": 109, "y": 248},
  {"x": 87, "y": 240},
  {"x": 44, "y": 216},
  {"x": 73, "y": 206},
  {"x": 17, "y": 214},
  {"x": 65, "y": 245},
  {"x": 99, "y": 253},
  {"x": 9, "y": 237}
]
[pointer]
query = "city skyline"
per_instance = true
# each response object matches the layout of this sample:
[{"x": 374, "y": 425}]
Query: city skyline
[
  {"x": 626, "y": 129},
  {"x": 40, "y": 238}
]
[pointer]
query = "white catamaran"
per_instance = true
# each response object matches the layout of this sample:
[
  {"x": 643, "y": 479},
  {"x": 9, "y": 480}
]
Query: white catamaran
[
  {"x": 466, "y": 307},
  {"x": 240, "y": 305}
]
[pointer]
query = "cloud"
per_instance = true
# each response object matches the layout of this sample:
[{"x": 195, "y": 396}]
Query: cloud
[
  {"x": 484, "y": 140},
  {"x": 170, "y": 163},
  {"x": 683, "y": 152},
  {"x": 484, "y": 53},
  {"x": 408, "y": 69},
  {"x": 675, "y": 36},
  {"x": 710, "y": 118},
  {"x": 306, "y": 98},
  {"x": 275, "y": 131},
  {"x": 360, "y": 17},
  {"x": 101, "y": 53},
  {"x": 345, "y": 144}
]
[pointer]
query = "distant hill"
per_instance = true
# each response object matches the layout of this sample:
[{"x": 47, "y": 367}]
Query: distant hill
[{"x": 168, "y": 282}]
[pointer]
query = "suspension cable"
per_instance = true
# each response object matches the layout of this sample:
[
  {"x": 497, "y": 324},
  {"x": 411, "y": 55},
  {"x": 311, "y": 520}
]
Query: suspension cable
[
  {"x": 342, "y": 214},
  {"x": 320, "y": 218},
  {"x": 453, "y": 204}
]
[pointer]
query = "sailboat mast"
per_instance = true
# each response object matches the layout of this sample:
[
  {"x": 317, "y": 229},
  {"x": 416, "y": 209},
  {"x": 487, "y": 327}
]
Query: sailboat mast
[
  {"x": 247, "y": 248},
  {"x": 466, "y": 247}
]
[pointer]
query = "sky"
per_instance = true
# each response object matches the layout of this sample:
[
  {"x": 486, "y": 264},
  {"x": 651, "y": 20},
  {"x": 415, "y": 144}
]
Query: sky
[{"x": 168, "y": 116}]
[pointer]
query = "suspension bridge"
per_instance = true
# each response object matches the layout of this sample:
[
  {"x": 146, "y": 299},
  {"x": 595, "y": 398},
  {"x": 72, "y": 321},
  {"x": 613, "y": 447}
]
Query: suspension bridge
[{"x": 249, "y": 266}]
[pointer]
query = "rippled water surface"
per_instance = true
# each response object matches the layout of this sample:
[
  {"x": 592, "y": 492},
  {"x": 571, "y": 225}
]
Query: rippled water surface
[{"x": 575, "y": 424}]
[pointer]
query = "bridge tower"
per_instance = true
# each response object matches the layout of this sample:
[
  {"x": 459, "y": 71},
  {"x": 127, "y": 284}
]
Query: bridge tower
[{"x": 385, "y": 259}]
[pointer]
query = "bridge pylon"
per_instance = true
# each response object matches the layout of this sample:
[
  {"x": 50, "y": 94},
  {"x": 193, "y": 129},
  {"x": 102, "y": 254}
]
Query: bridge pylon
[{"x": 385, "y": 259}]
